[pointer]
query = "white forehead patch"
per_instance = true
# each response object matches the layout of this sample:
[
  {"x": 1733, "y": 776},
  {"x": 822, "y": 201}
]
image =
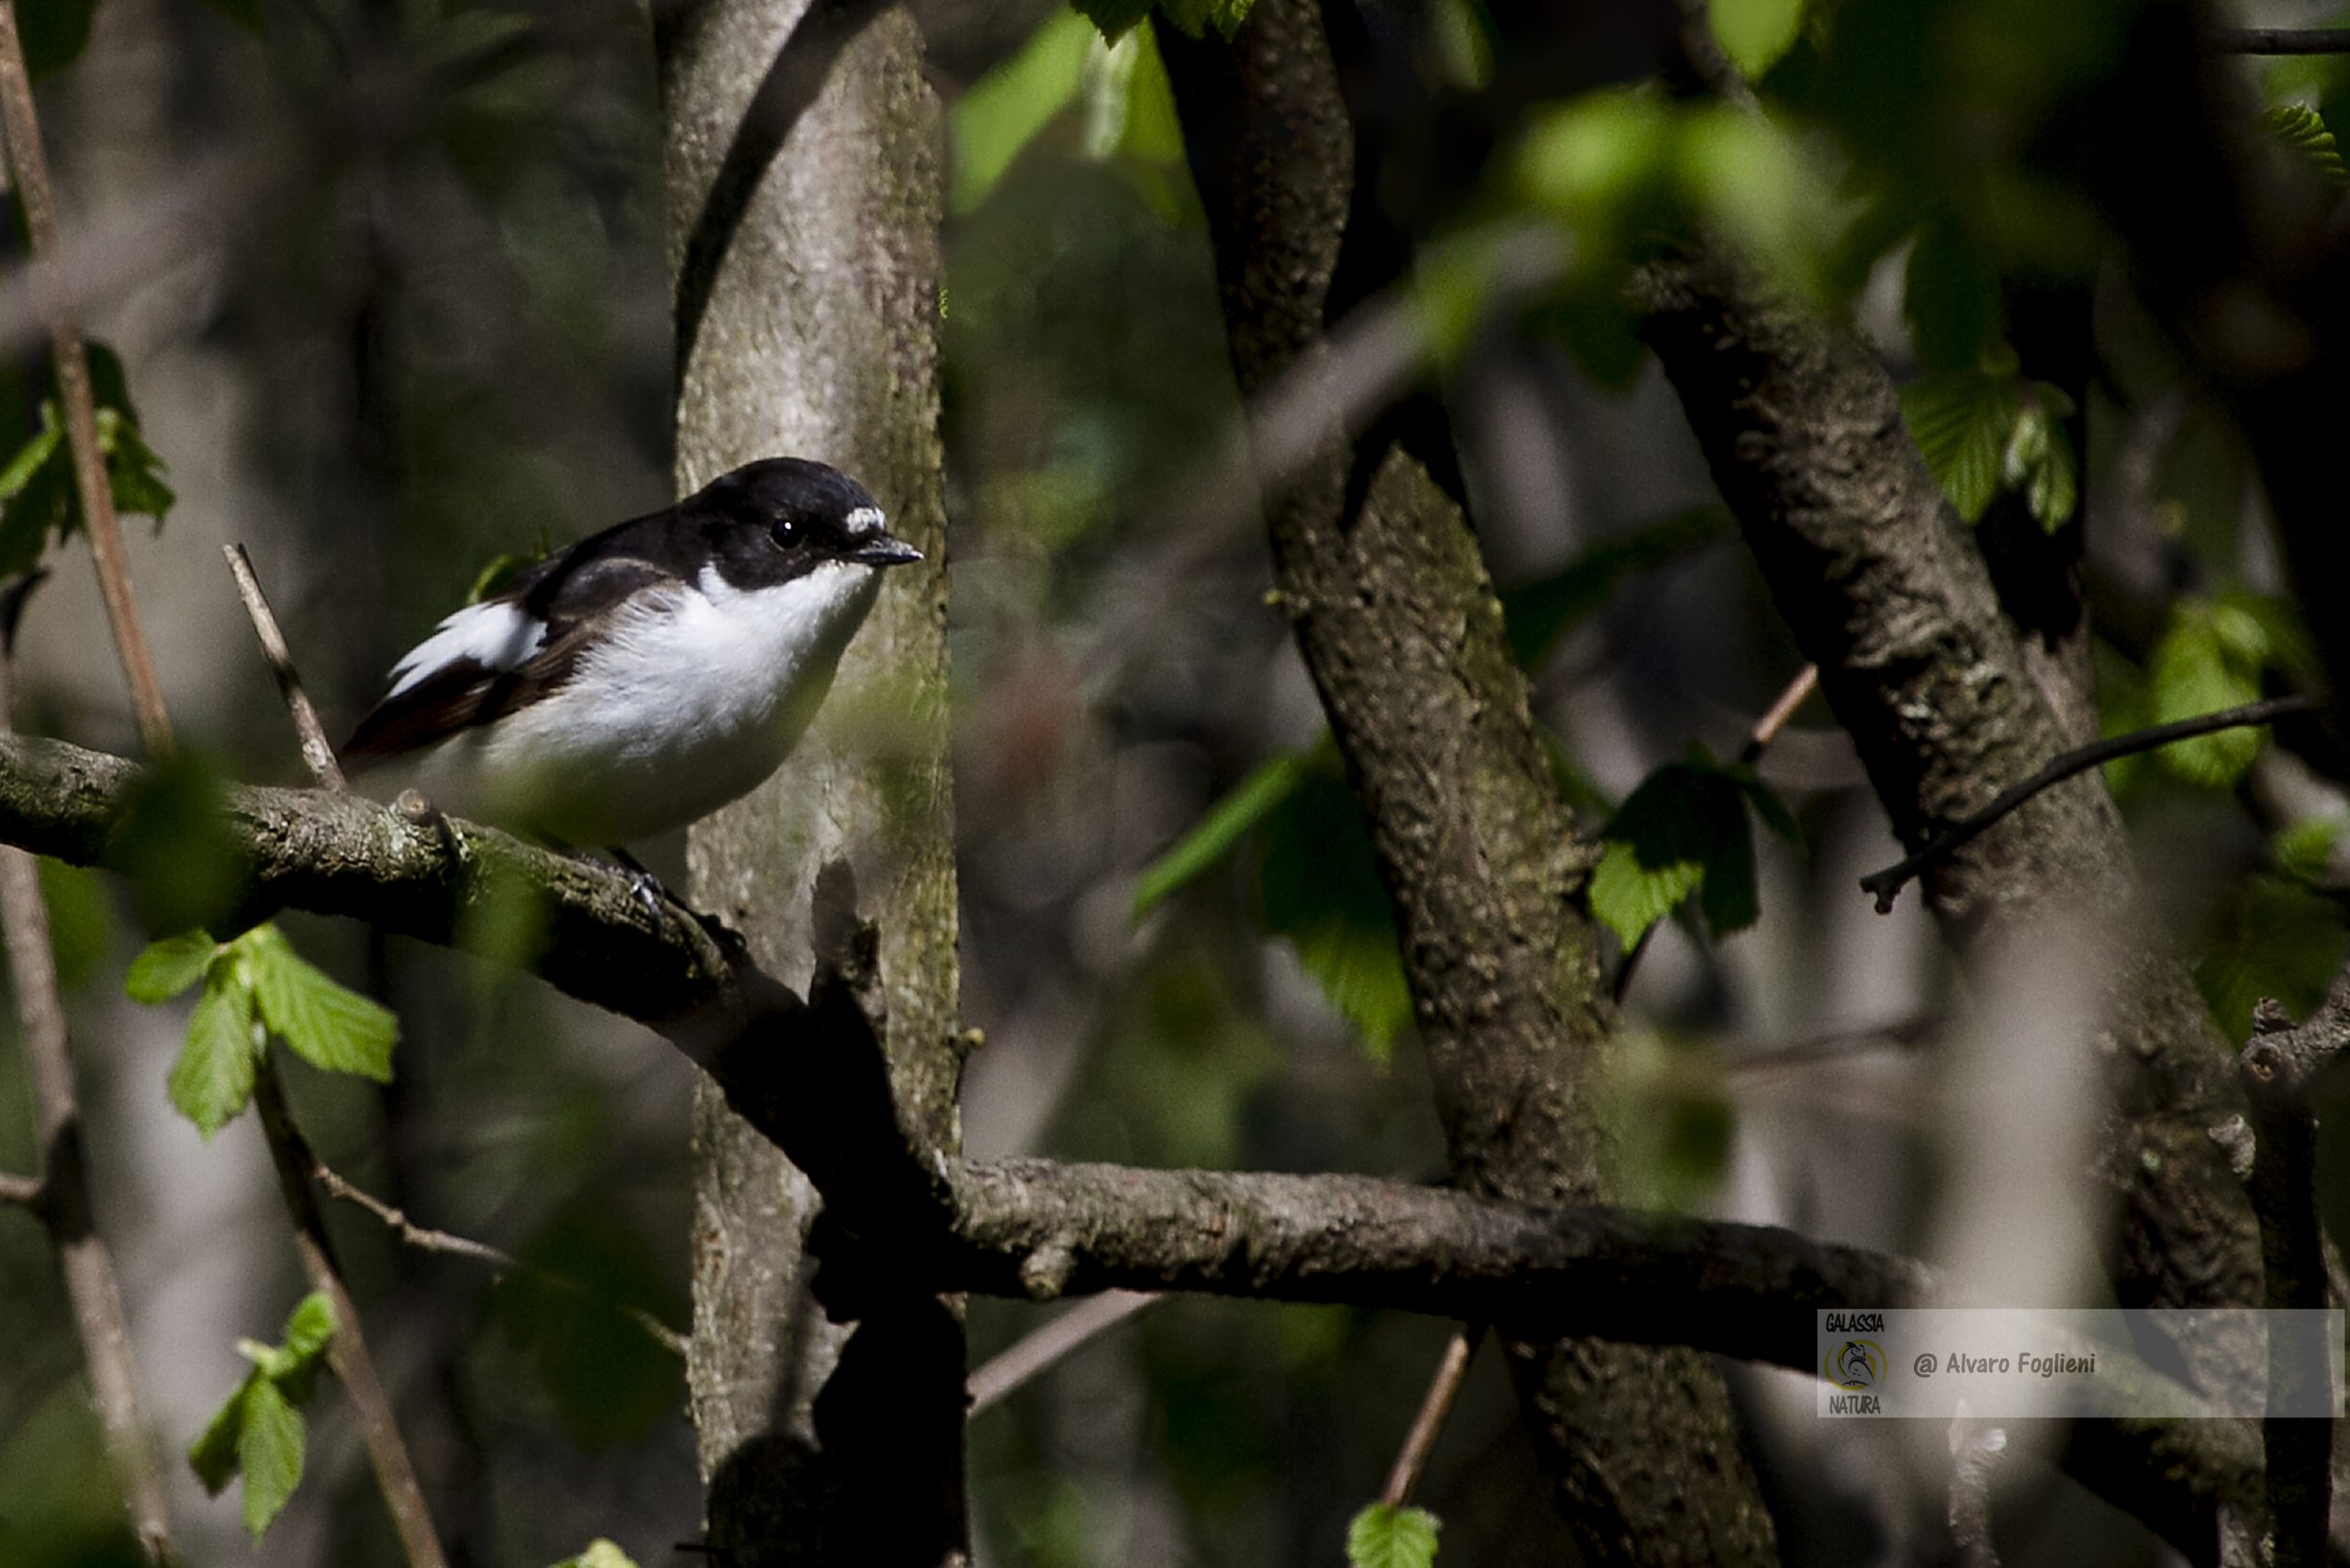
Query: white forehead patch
[{"x": 863, "y": 519}]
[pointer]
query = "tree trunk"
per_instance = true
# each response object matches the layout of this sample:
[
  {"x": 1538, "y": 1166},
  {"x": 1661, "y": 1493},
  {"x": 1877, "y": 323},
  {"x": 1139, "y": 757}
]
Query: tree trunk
[
  {"x": 823, "y": 1444},
  {"x": 1402, "y": 631}
]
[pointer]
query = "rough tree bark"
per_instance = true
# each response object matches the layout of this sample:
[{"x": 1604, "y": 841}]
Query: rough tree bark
[
  {"x": 1403, "y": 635},
  {"x": 817, "y": 337},
  {"x": 1886, "y": 591}
]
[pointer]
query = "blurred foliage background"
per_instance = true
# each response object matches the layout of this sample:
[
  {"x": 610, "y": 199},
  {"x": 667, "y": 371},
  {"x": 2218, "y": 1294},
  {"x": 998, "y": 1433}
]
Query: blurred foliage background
[{"x": 385, "y": 283}]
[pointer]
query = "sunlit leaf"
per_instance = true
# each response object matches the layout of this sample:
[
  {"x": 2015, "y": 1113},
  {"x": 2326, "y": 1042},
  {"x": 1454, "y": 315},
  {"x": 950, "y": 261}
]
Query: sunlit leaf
[
  {"x": 1961, "y": 421},
  {"x": 269, "y": 1452},
  {"x": 213, "y": 1456},
  {"x": 1318, "y": 887},
  {"x": 599, "y": 1554},
  {"x": 1384, "y": 1535},
  {"x": 2305, "y": 848},
  {"x": 168, "y": 967},
  {"x": 2208, "y": 659},
  {"x": 1683, "y": 831},
  {"x": 214, "y": 1075},
  {"x": 309, "y": 1328},
  {"x": 327, "y": 1025}
]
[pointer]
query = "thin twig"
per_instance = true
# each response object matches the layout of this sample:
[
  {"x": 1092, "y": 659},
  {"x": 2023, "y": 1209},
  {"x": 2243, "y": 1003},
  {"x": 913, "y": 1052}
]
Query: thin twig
[
  {"x": 1887, "y": 884},
  {"x": 347, "y": 1353},
  {"x": 1048, "y": 1346},
  {"x": 423, "y": 1238},
  {"x": 318, "y": 753},
  {"x": 61, "y": 1194},
  {"x": 90, "y": 482},
  {"x": 1435, "y": 1405},
  {"x": 2281, "y": 40}
]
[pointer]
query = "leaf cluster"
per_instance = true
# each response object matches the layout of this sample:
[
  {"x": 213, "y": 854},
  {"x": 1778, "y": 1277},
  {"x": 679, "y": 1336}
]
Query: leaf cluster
[
  {"x": 259, "y": 1433},
  {"x": 254, "y": 987}
]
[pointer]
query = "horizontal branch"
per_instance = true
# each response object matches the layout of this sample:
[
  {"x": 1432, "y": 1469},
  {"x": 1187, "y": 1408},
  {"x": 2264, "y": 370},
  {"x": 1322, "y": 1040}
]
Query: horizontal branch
[{"x": 812, "y": 1076}]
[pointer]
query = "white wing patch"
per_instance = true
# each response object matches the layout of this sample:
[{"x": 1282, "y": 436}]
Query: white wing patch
[
  {"x": 496, "y": 635},
  {"x": 863, "y": 519}
]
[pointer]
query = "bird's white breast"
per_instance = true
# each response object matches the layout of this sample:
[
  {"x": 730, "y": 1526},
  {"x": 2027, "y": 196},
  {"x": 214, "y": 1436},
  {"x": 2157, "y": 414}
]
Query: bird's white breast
[{"x": 689, "y": 698}]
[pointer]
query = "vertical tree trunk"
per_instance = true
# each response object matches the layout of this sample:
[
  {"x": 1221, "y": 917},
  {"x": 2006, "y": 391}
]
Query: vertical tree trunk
[
  {"x": 1402, "y": 631},
  {"x": 823, "y": 1444}
]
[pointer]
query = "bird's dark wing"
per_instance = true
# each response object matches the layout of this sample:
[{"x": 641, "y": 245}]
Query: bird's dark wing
[{"x": 504, "y": 654}]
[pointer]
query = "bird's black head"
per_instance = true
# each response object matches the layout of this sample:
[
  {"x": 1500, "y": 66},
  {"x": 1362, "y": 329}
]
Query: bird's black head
[{"x": 777, "y": 517}]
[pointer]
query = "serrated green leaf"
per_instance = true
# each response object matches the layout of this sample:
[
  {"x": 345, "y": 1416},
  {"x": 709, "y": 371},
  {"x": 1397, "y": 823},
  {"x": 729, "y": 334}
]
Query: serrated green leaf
[
  {"x": 1768, "y": 806},
  {"x": 134, "y": 470},
  {"x": 2301, "y": 130},
  {"x": 1961, "y": 421},
  {"x": 168, "y": 967},
  {"x": 1227, "y": 822},
  {"x": 214, "y": 1075},
  {"x": 1384, "y": 1535},
  {"x": 213, "y": 1455},
  {"x": 269, "y": 1452},
  {"x": 1951, "y": 296},
  {"x": 2208, "y": 660},
  {"x": 1683, "y": 830},
  {"x": 308, "y": 1329},
  {"x": 329, "y": 1026},
  {"x": 1628, "y": 896}
]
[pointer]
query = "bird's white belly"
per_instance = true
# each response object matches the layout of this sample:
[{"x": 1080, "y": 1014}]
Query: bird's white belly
[{"x": 685, "y": 704}]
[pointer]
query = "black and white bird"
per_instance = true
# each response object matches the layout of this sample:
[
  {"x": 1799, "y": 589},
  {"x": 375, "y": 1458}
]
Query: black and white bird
[{"x": 647, "y": 675}]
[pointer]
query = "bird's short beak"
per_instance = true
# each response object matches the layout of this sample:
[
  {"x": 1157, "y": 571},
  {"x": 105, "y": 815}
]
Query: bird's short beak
[{"x": 882, "y": 550}]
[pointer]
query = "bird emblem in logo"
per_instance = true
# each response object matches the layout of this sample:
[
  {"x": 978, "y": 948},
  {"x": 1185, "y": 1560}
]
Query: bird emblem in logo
[{"x": 1854, "y": 1364}]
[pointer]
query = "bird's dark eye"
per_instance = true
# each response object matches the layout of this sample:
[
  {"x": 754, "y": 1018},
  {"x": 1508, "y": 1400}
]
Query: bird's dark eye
[{"x": 785, "y": 532}]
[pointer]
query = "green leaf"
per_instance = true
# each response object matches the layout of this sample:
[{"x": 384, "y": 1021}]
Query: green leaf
[
  {"x": 213, "y": 1455},
  {"x": 186, "y": 868},
  {"x": 1683, "y": 831},
  {"x": 1004, "y": 111},
  {"x": 1962, "y": 421},
  {"x": 2208, "y": 659},
  {"x": 308, "y": 1329},
  {"x": 599, "y": 1554},
  {"x": 1756, "y": 33},
  {"x": 134, "y": 471},
  {"x": 27, "y": 512},
  {"x": 1950, "y": 293},
  {"x": 1194, "y": 17},
  {"x": 1227, "y": 822},
  {"x": 1629, "y": 895},
  {"x": 328, "y": 1025},
  {"x": 1542, "y": 612},
  {"x": 214, "y": 1075},
  {"x": 168, "y": 967},
  {"x": 1384, "y": 1535},
  {"x": 2039, "y": 456},
  {"x": 2300, "y": 130},
  {"x": 269, "y": 1452}
]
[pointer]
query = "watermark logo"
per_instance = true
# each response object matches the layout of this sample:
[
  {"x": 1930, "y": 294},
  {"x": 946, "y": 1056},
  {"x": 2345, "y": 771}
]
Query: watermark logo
[{"x": 1854, "y": 1364}]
